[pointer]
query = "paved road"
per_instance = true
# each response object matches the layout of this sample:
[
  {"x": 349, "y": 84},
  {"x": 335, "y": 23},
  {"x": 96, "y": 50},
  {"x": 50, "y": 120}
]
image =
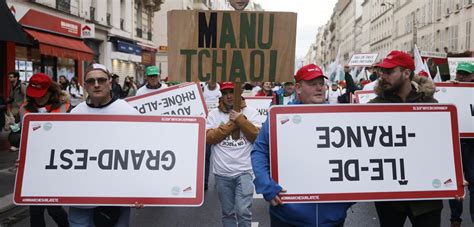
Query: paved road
[{"x": 208, "y": 215}]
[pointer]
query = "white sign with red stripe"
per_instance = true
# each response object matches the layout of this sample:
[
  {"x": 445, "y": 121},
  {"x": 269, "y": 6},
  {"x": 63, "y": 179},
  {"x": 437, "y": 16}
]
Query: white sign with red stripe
[
  {"x": 116, "y": 160},
  {"x": 181, "y": 100},
  {"x": 261, "y": 104},
  {"x": 365, "y": 153},
  {"x": 459, "y": 94},
  {"x": 364, "y": 96}
]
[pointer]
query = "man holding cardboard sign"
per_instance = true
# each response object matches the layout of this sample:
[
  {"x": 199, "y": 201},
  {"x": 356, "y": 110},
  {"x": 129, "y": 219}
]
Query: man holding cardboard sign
[
  {"x": 311, "y": 88},
  {"x": 396, "y": 72},
  {"x": 231, "y": 160}
]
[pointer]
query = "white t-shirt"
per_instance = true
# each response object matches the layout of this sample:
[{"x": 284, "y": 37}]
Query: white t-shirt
[
  {"x": 232, "y": 157},
  {"x": 119, "y": 106},
  {"x": 211, "y": 97},
  {"x": 332, "y": 96},
  {"x": 144, "y": 90}
]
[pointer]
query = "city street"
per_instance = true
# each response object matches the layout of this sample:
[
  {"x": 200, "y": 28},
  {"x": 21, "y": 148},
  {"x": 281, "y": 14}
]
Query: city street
[{"x": 361, "y": 214}]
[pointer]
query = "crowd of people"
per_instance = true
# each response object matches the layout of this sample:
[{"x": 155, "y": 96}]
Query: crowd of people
[{"x": 237, "y": 143}]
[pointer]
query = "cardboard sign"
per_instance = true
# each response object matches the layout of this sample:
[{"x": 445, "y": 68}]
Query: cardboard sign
[
  {"x": 364, "y": 96},
  {"x": 461, "y": 95},
  {"x": 362, "y": 59},
  {"x": 365, "y": 153},
  {"x": 261, "y": 104},
  {"x": 231, "y": 46},
  {"x": 453, "y": 64},
  {"x": 181, "y": 100},
  {"x": 117, "y": 160}
]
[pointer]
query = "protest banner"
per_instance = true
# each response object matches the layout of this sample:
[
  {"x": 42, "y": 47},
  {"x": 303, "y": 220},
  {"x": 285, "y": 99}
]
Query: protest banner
[
  {"x": 181, "y": 100},
  {"x": 365, "y": 152},
  {"x": 261, "y": 104},
  {"x": 363, "y": 59},
  {"x": 119, "y": 160},
  {"x": 364, "y": 96},
  {"x": 453, "y": 64},
  {"x": 231, "y": 46},
  {"x": 461, "y": 95}
]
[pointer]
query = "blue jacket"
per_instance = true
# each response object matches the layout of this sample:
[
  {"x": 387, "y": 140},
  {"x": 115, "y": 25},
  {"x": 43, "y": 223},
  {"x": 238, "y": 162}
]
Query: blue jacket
[{"x": 302, "y": 214}]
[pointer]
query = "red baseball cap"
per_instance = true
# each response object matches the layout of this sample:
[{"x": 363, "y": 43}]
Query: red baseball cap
[
  {"x": 226, "y": 85},
  {"x": 423, "y": 73},
  {"x": 309, "y": 72},
  {"x": 38, "y": 85},
  {"x": 397, "y": 58}
]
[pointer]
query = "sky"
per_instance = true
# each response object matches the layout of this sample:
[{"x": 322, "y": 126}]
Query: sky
[{"x": 311, "y": 15}]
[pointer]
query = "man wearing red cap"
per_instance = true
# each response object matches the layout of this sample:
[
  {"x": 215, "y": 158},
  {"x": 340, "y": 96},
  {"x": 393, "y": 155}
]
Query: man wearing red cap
[
  {"x": 44, "y": 96},
  {"x": 395, "y": 85},
  {"x": 311, "y": 89},
  {"x": 231, "y": 159}
]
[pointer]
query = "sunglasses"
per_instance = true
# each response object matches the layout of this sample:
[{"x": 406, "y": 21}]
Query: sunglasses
[{"x": 100, "y": 81}]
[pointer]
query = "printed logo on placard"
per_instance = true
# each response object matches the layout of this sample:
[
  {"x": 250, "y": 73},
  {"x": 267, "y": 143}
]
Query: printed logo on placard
[
  {"x": 36, "y": 127},
  {"x": 284, "y": 120},
  {"x": 188, "y": 190},
  {"x": 47, "y": 126},
  {"x": 297, "y": 119},
  {"x": 436, "y": 183},
  {"x": 448, "y": 182},
  {"x": 444, "y": 90},
  {"x": 175, "y": 190}
]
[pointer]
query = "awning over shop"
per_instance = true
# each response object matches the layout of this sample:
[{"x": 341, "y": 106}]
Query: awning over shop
[
  {"x": 11, "y": 30},
  {"x": 60, "y": 46}
]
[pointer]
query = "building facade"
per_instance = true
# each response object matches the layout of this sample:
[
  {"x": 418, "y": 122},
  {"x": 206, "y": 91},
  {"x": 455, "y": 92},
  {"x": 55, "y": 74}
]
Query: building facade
[{"x": 385, "y": 25}]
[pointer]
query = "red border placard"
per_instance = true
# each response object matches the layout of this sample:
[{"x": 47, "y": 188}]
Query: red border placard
[
  {"x": 458, "y": 84},
  {"x": 368, "y": 196},
  {"x": 187, "y": 84},
  {"x": 18, "y": 199},
  {"x": 361, "y": 92}
]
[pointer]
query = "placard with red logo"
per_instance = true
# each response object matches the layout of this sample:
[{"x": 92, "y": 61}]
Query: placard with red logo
[
  {"x": 261, "y": 104},
  {"x": 181, "y": 100},
  {"x": 335, "y": 153},
  {"x": 70, "y": 159}
]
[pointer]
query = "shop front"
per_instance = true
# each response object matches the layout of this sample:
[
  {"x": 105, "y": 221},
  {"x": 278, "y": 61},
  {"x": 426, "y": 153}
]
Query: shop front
[
  {"x": 126, "y": 58},
  {"x": 57, "y": 50}
]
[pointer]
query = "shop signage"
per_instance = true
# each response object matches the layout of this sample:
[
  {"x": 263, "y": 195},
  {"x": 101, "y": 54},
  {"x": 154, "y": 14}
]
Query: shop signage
[{"x": 88, "y": 31}]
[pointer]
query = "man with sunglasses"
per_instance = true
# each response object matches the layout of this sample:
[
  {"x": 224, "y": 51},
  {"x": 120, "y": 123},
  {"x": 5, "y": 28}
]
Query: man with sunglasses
[
  {"x": 231, "y": 157},
  {"x": 152, "y": 81},
  {"x": 395, "y": 85},
  {"x": 98, "y": 84}
]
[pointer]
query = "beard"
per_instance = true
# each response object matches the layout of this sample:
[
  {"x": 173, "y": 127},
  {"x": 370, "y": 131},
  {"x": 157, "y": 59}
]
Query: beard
[{"x": 388, "y": 88}]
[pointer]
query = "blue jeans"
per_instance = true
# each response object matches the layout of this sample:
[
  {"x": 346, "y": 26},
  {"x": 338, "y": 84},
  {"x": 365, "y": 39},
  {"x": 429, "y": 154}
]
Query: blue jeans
[
  {"x": 84, "y": 217},
  {"x": 467, "y": 152},
  {"x": 235, "y": 195}
]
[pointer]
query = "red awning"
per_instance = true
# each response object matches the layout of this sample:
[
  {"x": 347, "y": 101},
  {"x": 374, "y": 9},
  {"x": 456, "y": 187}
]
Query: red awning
[{"x": 60, "y": 46}]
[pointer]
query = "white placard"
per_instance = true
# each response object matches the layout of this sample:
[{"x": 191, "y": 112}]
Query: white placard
[
  {"x": 88, "y": 31},
  {"x": 461, "y": 95},
  {"x": 261, "y": 104},
  {"x": 453, "y": 64},
  {"x": 364, "y": 96},
  {"x": 117, "y": 160},
  {"x": 430, "y": 54},
  {"x": 181, "y": 100},
  {"x": 362, "y": 59},
  {"x": 365, "y": 152}
]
